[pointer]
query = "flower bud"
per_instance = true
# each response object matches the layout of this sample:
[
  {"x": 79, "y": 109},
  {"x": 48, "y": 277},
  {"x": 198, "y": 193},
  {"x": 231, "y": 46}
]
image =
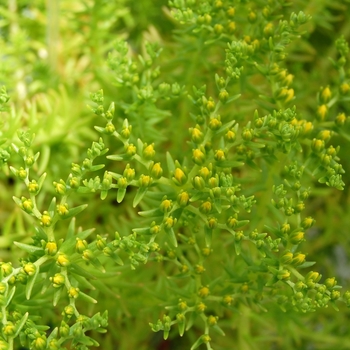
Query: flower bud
[
  {"x": 22, "y": 173},
  {"x": 223, "y": 95},
  {"x": 154, "y": 229},
  {"x": 62, "y": 260},
  {"x": 227, "y": 300},
  {"x": 219, "y": 155},
  {"x": 230, "y": 136},
  {"x": 199, "y": 269},
  {"x": 27, "y": 205},
  {"x": 204, "y": 172},
  {"x": 215, "y": 123},
  {"x": 326, "y": 94},
  {"x": 218, "y": 28},
  {"x": 196, "y": 134},
  {"x": 232, "y": 222},
  {"x": 230, "y": 11},
  {"x": 330, "y": 282},
  {"x": 74, "y": 182},
  {"x": 283, "y": 275},
  {"x": 179, "y": 177},
  {"x": 45, "y": 219},
  {"x": 148, "y": 151},
  {"x": 29, "y": 269},
  {"x": 6, "y": 268},
  {"x": 145, "y": 181},
  {"x": 317, "y": 145},
  {"x": 88, "y": 255},
  {"x": 33, "y": 187},
  {"x": 268, "y": 29},
  {"x": 335, "y": 294},
  {"x": 169, "y": 222},
  {"x": 64, "y": 329},
  {"x": 286, "y": 258},
  {"x": 2, "y": 288},
  {"x": 156, "y": 171},
  {"x": 212, "y": 222},
  {"x": 239, "y": 236},
  {"x": 109, "y": 128},
  {"x": 252, "y": 17},
  {"x": 183, "y": 198},
  {"x": 344, "y": 88},
  {"x": 198, "y": 156},
  {"x": 166, "y": 205},
  {"x": 203, "y": 292},
  {"x": 130, "y": 150},
  {"x": 62, "y": 209},
  {"x": 247, "y": 134},
  {"x": 307, "y": 222},
  {"x": 58, "y": 280},
  {"x": 8, "y": 329},
  {"x": 322, "y": 112},
  {"x": 296, "y": 237},
  {"x": 205, "y": 207},
  {"x": 340, "y": 119},
  {"x": 298, "y": 259},
  {"x": 126, "y": 132},
  {"x": 313, "y": 276},
  {"x": 80, "y": 245},
  {"x": 73, "y": 292},
  {"x": 68, "y": 311}
]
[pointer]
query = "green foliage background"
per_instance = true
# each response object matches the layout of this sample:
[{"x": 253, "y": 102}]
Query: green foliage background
[{"x": 53, "y": 54}]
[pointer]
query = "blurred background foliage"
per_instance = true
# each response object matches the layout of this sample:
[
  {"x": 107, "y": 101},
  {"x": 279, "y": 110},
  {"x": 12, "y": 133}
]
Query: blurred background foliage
[{"x": 54, "y": 53}]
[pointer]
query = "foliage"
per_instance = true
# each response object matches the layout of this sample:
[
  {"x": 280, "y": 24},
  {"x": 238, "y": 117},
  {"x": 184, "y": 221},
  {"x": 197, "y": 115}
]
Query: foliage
[{"x": 199, "y": 193}]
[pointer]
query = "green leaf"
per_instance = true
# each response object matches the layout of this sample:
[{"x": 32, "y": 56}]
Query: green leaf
[
  {"x": 74, "y": 211},
  {"x": 151, "y": 213},
  {"x": 28, "y": 248},
  {"x": 30, "y": 282},
  {"x": 78, "y": 270},
  {"x": 17, "y": 201},
  {"x": 229, "y": 164},
  {"x": 57, "y": 295},
  {"x": 97, "y": 167},
  {"x": 170, "y": 237},
  {"x": 20, "y": 324},
  {"x": 87, "y": 298},
  {"x": 233, "y": 98},
  {"x": 52, "y": 207},
  {"x": 238, "y": 247},
  {"x": 225, "y": 127},
  {"x": 10, "y": 296},
  {"x": 208, "y": 235},
  {"x": 100, "y": 129},
  {"x": 139, "y": 195},
  {"x": 121, "y": 194},
  {"x": 170, "y": 162},
  {"x": 181, "y": 326},
  {"x": 41, "y": 180},
  {"x": 119, "y": 157},
  {"x": 306, "y": 264},
  {"x": 142, "y": 231},
  {"x": 71, "y": 229},
  {"x": 116, "y": 259}
]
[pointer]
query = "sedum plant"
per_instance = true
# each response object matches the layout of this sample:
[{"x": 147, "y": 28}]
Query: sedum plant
[{"x": 188, "y": 198}]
